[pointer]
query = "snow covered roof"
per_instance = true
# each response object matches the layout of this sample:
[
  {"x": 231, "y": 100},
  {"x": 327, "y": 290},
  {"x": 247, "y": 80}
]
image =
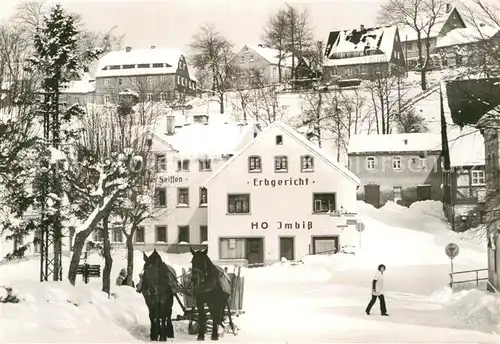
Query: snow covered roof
[
  {"x": 408, "y": 33},
  {"x": 375, "y": 45},
  {"x": 85, "y": 85},
  {"x": 127, "y": 63},
  {"x": 213, "y": 139},
  {"x": 466, "y": 35},
  {"x": 393, "y": 143},
  {"x": 270, "y": 55},
  {"x": 322, "y": 154},
  {"x": 466, "y": 147}
]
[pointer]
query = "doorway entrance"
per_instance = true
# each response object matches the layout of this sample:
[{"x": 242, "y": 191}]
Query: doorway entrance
[
  {"x": 255, "y": 251},
  {"x": 287, "y": 248}
]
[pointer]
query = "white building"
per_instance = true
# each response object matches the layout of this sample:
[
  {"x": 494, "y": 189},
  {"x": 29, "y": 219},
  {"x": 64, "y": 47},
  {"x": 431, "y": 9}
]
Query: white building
[{"x": 280, "y": 196}]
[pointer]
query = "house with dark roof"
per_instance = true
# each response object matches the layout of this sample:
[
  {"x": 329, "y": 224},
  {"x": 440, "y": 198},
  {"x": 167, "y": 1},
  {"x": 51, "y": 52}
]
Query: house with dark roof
[
  {"x": 362, "y": 53},
  {"x": 443, "y": 24}
]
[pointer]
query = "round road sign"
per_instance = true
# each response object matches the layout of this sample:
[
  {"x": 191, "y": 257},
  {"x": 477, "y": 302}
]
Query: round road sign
[
  {"x": 452, "y": 250},
  {"x": 360, "y": 226}
]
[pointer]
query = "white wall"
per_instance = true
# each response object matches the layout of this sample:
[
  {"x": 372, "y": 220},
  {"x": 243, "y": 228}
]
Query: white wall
[{"x": 291, "y": 204}]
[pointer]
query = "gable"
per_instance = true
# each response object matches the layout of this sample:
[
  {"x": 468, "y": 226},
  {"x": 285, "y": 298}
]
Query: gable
[{"x": 289, "y": 134}]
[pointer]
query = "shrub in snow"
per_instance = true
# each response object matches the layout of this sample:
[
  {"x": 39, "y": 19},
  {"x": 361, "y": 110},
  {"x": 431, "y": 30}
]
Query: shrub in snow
[{"x": 7, "y": 295}]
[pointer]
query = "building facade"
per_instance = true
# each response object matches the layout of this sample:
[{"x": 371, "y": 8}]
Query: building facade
[
  {"x": 464, "y": 185},
  {"x": 442, "y": 25},
  {"x": 260, "y": 65},
  {"x": 403, "y": 168},
  {"x": 363, "y": 53},
  {"x": 280, "y": 197}
]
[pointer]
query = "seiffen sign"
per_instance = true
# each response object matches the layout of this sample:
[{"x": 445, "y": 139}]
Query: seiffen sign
[{"x": 169, "y": 179}]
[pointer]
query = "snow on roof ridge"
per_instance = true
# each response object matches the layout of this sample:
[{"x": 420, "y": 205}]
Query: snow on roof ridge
[
  {"x": 401, "y": 142},
  {"x": 466, "y": 35},
  {"x": 295, "y": 134}
]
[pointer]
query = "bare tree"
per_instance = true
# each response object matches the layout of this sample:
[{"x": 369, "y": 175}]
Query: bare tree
[
  {"x": 213, "y": 53},
  {"x": 275, "y": 36},
  {"x": 419, "y": 15},
  {"x": 411, "y": 122}
]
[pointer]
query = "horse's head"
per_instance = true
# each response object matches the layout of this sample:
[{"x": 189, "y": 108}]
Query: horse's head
[
  {"x": 200, "y": 267},
  {"x": 151, "y": 272}
]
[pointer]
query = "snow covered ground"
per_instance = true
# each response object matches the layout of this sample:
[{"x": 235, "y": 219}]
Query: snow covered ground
[{"x": 322, "y": 300}]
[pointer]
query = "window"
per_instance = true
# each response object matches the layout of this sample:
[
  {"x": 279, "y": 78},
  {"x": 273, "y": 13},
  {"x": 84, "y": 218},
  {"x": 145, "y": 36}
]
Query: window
[
  {"x": 203, "y": 234},
  {"x": 98, "y": 236},
  {"x": 163, "y": 78},
  {"x": 134, "y": 80},
  {"x": 139, "y": 234},
  {"x": 18, "y": 242},
  {"x": 161, "y": 197},
  {"x": 478, "y": 177},
  {"x": 117, "y": 235},
  {"x": 106, "y": 82},
  {"x": 161, "y": 234},
  {"x": 205, "y": 165},
  {"x": 254, "y": 164},
  {"x": 183, "y": 165},
  {"x": 242, "y": 59},
  {"x": 37, "y": 244},
  {"x": 163, "y": 96},
  {"x": 120, "y": 81},
  {"x": 150, "y": 97},
  {"x": 423, "y": 164},
  {"x": 396, "y": 163},
  {"x": 238, "y": 204},
  {"x": 370, "y": 163},
  {"x": 203, "y": 196},
  {"x": 149, "y": 79},
  {"x": 107, "y": 99},
  {"x": 183, "y": 196},
  {"x": 178, "y": 80},
  {"x": 307, "y": 163},
  {"x": 324, "y": 202},
  {"x": 161, "y": 162},
  {"x": 232, "y": 248},
  {"x": 279, "y": 139},
  {"x": 183, "y": 234},
  {"x": 251, "y": 58},
  {"x": 397, "y": 193},
  {"x": 280, "y": 164}
]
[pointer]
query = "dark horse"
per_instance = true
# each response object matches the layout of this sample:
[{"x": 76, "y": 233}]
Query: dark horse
[
  {"x": 211, "y": 286},
  {"x": 157, "y": 288}
]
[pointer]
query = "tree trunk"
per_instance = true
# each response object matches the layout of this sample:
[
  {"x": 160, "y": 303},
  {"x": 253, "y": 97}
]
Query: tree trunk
[
  {"x": 77, "y": 252},
  {"x": 130, "y": 258},
  {"x": 108, "y": 260},
  {"x": 221, "y": 102},
  {"x": 421, "y": 62}
]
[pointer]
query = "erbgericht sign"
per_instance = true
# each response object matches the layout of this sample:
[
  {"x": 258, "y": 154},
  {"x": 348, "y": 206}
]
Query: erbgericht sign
[
  {"x": 169, "y": 179},
  {"x": 283, "y": 225},
  {"x": 281, "y": 182}
]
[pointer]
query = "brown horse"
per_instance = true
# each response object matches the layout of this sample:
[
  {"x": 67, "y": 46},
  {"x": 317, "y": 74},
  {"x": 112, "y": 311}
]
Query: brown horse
[
  {"x": 157, "y": 287},
  {"x": 210, "y": 286}
]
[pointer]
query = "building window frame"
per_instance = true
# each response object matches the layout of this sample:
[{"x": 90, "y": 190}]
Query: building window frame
[
  {"x": 160, "y": 197},
  {"x": 370, "y": 163},
  {"x": 279, "y": 140},
  {"x": 238, "y": 203},
  {"x": 397, "y": 193},
  {"x": 161, "y": 162},
  {"x": 140, "y": 238},
  {"x": 117, "y": 235},
  {"x": 397, "y": 164},
  {"x": 477, "y": 177},
  {"x": 157, "y": 232},
  {"x": 203, "y": 233},
  {"x": 183, "y": 233},
  {"x": 205, "y": 165},
  {"x": 183, "y": 165},
  {"x": 307, "y": 163},
  {"x": 280, "y": 164},
  {"x": 254, "y": 164},
  {"x": 323, "y": 205},
  {"x": 203, "y": 197},
  {"x": 183, "y": 196}
]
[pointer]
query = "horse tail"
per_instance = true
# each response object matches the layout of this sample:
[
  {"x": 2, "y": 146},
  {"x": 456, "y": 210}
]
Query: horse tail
[{"x": 231, "y": 324}]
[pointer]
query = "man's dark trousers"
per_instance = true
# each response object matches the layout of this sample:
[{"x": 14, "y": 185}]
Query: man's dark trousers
[{"x": 381, "y": 298}]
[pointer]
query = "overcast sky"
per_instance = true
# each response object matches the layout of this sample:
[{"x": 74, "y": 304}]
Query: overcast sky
[{"x": 171, "y": 23}]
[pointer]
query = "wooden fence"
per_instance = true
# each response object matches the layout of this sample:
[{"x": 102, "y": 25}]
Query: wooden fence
[{"x": 476, "y": 273}]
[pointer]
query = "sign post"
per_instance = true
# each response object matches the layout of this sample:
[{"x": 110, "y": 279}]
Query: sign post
[
  {"x": 360, "y": 226},
  {"x": 451, "y": 251}
]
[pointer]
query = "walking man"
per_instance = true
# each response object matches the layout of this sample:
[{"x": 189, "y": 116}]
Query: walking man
[{"x": 378, "y": 291}]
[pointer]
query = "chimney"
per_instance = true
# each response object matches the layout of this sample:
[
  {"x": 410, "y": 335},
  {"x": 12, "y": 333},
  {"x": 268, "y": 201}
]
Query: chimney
[
  {"x": 153, "y": 46},
  {"x": 448, "y": 8},
  {"x": 361, "y": 27},
  {"x": 128, "y": 49}
]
